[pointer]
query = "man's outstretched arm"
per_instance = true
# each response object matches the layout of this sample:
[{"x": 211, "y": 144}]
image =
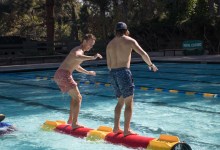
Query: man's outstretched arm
[{"x": 137, "y": 48}]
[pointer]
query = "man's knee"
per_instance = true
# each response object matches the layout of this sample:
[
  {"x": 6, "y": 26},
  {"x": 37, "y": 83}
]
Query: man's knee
[
  {"x": 79, "y": 98},
  {"x": 128, "y": 101},
  {"x": 121, "y": 101}
]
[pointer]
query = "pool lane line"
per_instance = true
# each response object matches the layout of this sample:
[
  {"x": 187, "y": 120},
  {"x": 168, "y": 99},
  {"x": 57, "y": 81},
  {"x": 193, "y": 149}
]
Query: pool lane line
[
  {"x": 185, "y": 80},
  {"x": 51, "y": 78},
  {"x": 203, "y": 94},
  {"x": 168, "y": 72},
  {"x": 142, "y": 87},
  {"x": 106, "y": 96},
  {"x": 46, "y": 78},
  {"x": 199, "y": 81}
]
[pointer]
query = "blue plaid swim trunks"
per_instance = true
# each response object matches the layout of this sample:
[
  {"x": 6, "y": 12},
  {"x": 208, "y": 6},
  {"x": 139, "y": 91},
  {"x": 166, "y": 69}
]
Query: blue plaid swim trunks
[{"x": 122, "y": 82}]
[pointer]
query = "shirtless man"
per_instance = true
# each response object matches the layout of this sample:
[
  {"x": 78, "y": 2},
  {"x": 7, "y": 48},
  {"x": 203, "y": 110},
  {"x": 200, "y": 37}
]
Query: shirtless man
[
  {"x": 118, "y": 54},
  {"x": 63, "y": 76}
]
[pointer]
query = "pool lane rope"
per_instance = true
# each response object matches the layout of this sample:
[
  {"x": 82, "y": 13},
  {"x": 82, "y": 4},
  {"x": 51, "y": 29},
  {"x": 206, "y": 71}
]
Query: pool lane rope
[
  {"x": 139, "y": 87},
  {"x": 164, "y": 142}
]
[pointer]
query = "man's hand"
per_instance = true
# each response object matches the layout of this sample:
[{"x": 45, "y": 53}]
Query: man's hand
[
  {"x": 97, "y": 56},
  {"x": 93, "y": 73},
  {"x": 153, "y": 67}
]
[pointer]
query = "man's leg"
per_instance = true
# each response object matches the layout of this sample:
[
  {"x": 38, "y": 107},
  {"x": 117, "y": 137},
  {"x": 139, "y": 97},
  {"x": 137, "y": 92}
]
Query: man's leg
[
  {"x": 128, "y": 114},
  {"x": 118, "y": 109},
  {"x": 75, "y": 106},
  {"x": 71, "y": 111}
]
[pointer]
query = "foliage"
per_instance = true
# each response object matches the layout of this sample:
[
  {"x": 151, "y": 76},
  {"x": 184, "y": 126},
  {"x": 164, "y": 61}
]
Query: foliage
[{"x": 155, "y": 24}]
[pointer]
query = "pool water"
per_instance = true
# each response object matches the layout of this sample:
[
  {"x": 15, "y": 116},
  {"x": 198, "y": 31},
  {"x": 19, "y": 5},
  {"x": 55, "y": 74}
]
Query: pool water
[{"x": 28, "y": 99}]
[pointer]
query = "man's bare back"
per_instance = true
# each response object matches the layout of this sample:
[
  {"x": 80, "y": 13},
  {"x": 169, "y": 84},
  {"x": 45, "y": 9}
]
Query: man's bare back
[{"x": 119, "y": 51}]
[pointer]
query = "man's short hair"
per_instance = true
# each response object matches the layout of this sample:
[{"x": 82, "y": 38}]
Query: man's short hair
[{"x": 88, "y": 37}]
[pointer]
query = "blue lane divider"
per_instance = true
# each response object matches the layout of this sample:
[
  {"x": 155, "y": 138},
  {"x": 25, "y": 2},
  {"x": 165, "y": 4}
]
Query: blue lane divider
[{"x": 139, "y": 87}]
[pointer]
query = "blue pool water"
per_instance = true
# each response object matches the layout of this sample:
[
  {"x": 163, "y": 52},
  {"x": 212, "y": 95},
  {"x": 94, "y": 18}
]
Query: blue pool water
[{"x": 28, "y": 99}]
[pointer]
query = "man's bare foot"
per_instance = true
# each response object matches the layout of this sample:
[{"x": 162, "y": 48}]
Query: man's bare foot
[
  {"x": 77, "y": 126},
  {"x": 69, "y": 122},
  {"x": 117, "y": 131},
  {"x": 130, "y": 132}
]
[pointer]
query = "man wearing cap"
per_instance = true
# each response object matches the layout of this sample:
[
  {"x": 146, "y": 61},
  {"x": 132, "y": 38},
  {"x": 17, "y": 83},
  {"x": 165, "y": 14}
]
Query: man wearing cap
[{"x": 118, "y": 55}]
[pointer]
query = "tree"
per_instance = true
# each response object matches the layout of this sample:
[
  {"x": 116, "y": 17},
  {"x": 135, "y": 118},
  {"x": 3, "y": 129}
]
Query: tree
[
  {"x": 84, "y": 18},
  {"x": 66, "y": 18},
  {"x": 50, "y": 25},
  {"x": 218, "y": 12},
  {"x": 102, "y": 7},
  {"x": 211, "y": 8},
  {"x": 14, "y": 16},
  {"x": 74, "y": 25}
]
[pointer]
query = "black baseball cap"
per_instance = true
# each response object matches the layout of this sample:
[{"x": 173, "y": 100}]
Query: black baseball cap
[{"x": 121, "y": 26}]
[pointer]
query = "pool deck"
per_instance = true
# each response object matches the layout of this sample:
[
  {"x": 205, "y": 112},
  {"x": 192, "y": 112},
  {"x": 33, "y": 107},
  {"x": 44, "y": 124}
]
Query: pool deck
[{"x": 204, "y": 59}]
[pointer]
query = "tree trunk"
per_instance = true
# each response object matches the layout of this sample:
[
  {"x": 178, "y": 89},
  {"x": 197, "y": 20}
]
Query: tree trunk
[
  {"x": 125, "y": 10},
  {"x": 103, "y": 23},
  {"x": 211, "y": 8},
  {"x": 50, "y": 26},
  {"x": 74, "y": 26},
  {"x": 115, "y": 10},
  {"x": 218, "y": 13}
]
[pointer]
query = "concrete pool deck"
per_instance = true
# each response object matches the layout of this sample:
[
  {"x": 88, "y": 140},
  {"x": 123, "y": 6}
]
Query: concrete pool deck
[{"x": 204, "y": 59}]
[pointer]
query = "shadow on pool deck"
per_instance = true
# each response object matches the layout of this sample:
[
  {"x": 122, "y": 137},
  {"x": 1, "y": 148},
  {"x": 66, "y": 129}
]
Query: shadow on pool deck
[{"x": 209, "y": 59}]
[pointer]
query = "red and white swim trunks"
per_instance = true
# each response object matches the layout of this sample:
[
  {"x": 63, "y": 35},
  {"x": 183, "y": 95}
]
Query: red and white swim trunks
[{"x": 64, "y": 80}]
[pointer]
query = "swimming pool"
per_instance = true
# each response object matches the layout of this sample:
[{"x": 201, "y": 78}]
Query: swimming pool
[{"x": 28, "y": 99}]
